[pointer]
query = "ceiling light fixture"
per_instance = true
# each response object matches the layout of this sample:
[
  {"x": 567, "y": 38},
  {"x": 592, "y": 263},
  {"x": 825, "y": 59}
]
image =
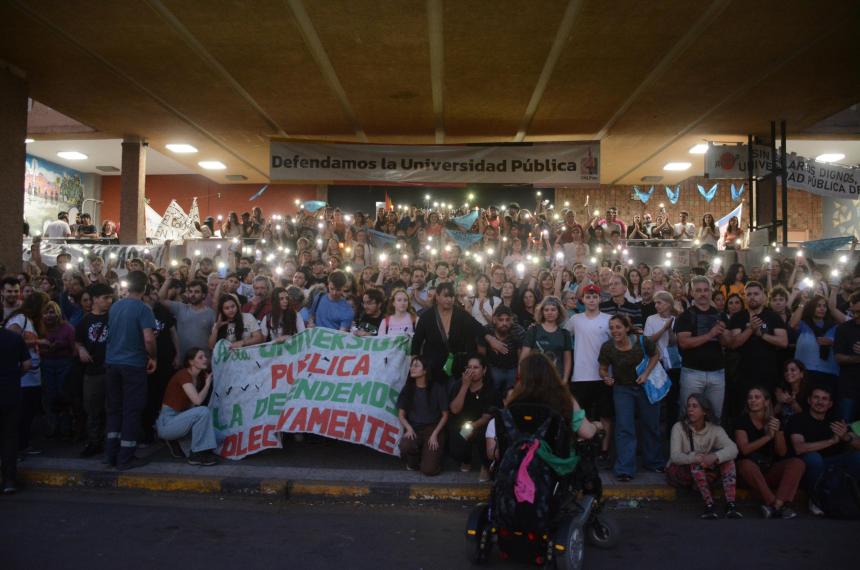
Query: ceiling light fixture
[
  {"x": 72, "y": 155},
  {"x": 700, "y": 148},
  {"x": 28, "y": 141},
  {"x": 829, "y": 157},
  {"x": 677, "y": 166},
  {"x": 181, "y": 148},
  {"x": 212, "y": 165}
]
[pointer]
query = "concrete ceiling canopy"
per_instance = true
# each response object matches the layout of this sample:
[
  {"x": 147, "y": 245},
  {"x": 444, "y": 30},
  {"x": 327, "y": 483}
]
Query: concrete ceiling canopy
[{"x": 650, "y": 79}]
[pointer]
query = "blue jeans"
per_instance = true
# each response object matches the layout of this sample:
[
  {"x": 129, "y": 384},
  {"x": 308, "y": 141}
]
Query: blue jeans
[
  {"x": 817, "y": 464},
  {"x": 193, "y": 428},
  {"x": 709, "y": 383},
  {"x": 503, "y": 379},
  {"x": 628, "y": 401}
]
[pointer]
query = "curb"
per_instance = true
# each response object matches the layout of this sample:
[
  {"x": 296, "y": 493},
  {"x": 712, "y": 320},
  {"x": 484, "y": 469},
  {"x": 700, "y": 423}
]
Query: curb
[
  {"x": 316, "y": 490},
  {"x": 296, "y": 489}
]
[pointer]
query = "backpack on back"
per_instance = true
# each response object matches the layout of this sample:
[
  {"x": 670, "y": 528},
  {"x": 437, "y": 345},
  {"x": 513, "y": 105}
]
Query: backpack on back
[
  {"x": 524, "y": 484},
  {"x": 837, "y": 493}
]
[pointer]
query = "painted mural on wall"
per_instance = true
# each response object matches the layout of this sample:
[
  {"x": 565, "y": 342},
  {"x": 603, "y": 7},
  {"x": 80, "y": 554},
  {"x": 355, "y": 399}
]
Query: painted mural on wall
[{"x": 48, "y": 189}]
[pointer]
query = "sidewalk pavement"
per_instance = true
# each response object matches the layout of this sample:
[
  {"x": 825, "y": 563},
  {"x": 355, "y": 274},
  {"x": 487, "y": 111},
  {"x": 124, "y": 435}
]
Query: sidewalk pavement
[{"x": 316, "y": 468}]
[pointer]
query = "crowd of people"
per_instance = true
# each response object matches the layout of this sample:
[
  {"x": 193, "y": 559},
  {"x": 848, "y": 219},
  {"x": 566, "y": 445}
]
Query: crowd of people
[{"x": 764, "y": 359}]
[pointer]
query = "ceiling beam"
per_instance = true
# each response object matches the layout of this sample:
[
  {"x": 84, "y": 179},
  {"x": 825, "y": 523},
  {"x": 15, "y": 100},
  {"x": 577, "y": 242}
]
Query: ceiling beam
[
  {"x": 198, "y": 48},
  {"x": 562, "y": 36},
  {"x": 437, "y": 65},
  {"x": 29, "y": 11},
  {"x": 693, "y": 33},
  {"x": 317, "y": 51},
  {"x": 743, "y": 88}
]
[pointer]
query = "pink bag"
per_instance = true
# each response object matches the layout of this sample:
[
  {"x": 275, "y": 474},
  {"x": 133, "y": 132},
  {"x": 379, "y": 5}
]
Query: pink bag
[{"x": 524, "y": 490}]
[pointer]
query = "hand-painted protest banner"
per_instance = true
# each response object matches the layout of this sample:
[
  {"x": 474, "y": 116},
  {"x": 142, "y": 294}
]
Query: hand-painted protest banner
[
  {"x": 153, "y": 220},
  {"x": 551, "y": 163},
  {"x": 832, "y": 180},
  {"x": 115, "y": 255},
  {"x": 320, "y": 381},
  {"x": 176, "y": 224}
]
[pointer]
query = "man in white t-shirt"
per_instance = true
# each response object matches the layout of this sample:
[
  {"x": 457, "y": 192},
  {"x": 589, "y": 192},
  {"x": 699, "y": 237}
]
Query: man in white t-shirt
[
  {"x": 59, "y": 228},
  {"x": 590, "y": 330},
  {"x": 685, "y": 229}
]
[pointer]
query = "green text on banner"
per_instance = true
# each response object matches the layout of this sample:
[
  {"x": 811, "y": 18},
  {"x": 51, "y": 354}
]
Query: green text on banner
[{"x": 320, "y": 381}]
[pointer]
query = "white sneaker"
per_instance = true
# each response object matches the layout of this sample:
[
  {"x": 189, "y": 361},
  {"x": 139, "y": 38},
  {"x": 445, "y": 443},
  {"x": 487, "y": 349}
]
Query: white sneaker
[{"x": 814, "y": 509}]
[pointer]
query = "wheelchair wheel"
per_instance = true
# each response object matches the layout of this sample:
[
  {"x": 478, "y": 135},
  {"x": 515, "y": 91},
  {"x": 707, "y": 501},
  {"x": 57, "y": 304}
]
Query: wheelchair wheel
[
  {"x": 602, "y": 532},
  {"x": 478, "y": 541},
  {"x": 571, "y": 536}
]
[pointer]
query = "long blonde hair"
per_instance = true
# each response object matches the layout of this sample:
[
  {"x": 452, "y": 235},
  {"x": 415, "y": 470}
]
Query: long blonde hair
[
  {"x": 768, "y": 403},
  {"x": 409, "y": 308}
]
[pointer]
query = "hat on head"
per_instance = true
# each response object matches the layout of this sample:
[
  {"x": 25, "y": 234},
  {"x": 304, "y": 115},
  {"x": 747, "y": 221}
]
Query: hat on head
[{"x": 591, "y": 289}]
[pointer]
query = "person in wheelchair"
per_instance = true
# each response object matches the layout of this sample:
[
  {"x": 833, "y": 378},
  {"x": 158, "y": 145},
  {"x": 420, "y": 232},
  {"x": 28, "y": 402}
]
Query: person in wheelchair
[
  {"x": 535, "y": 511},
  {"x": 541, "y": 385}
]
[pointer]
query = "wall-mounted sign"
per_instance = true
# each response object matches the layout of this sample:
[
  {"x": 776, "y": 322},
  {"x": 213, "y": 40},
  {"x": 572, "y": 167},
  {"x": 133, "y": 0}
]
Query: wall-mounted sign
[
  {"x": 569, "y": 163},
  {"x": 833, "y": 181}
]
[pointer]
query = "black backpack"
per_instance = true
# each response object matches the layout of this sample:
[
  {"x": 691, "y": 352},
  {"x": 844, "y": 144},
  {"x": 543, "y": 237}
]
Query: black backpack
[
  {"x": 837, "y": 493},
  {"x": 522, "y": 515}
]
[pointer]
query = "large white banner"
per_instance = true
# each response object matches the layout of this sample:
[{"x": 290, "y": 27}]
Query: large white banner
[
  {"x": 116, "y": 255},
  {"x": 730, "y": 161},
  {"x": 320, "y": 381},
  {"x": 176, "y": 224},
  {"x": 153, "y": 220},
  {"x": 540, "y": 163}
]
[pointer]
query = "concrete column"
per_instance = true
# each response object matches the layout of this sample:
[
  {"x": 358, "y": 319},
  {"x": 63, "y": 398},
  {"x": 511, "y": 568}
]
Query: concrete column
[
  {"x": 13, "y": 131},
  {"x": 132, "y": 209}
]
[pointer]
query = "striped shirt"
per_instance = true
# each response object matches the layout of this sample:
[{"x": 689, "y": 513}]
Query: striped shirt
[{"x": 633, "y": 311}]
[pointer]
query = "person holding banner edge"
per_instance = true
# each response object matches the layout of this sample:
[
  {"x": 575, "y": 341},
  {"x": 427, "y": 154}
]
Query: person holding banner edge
[{"x": 184, "y": 414}]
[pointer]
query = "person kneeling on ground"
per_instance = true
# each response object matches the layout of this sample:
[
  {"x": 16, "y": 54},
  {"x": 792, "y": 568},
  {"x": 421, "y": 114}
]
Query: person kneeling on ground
[
  {"x": 763, "y": 449},
  {"x": 471, "y": 410},
  {"x": 822, "y": 440},
  {"x": 183, "y": 411},
  {"x": 423, "y": 413},
  {"x": 700, "y": 451}
]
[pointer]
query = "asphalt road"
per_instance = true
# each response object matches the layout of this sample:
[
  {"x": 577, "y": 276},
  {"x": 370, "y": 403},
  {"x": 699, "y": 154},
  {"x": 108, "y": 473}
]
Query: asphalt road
[{"x": 93, "y": 529}]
